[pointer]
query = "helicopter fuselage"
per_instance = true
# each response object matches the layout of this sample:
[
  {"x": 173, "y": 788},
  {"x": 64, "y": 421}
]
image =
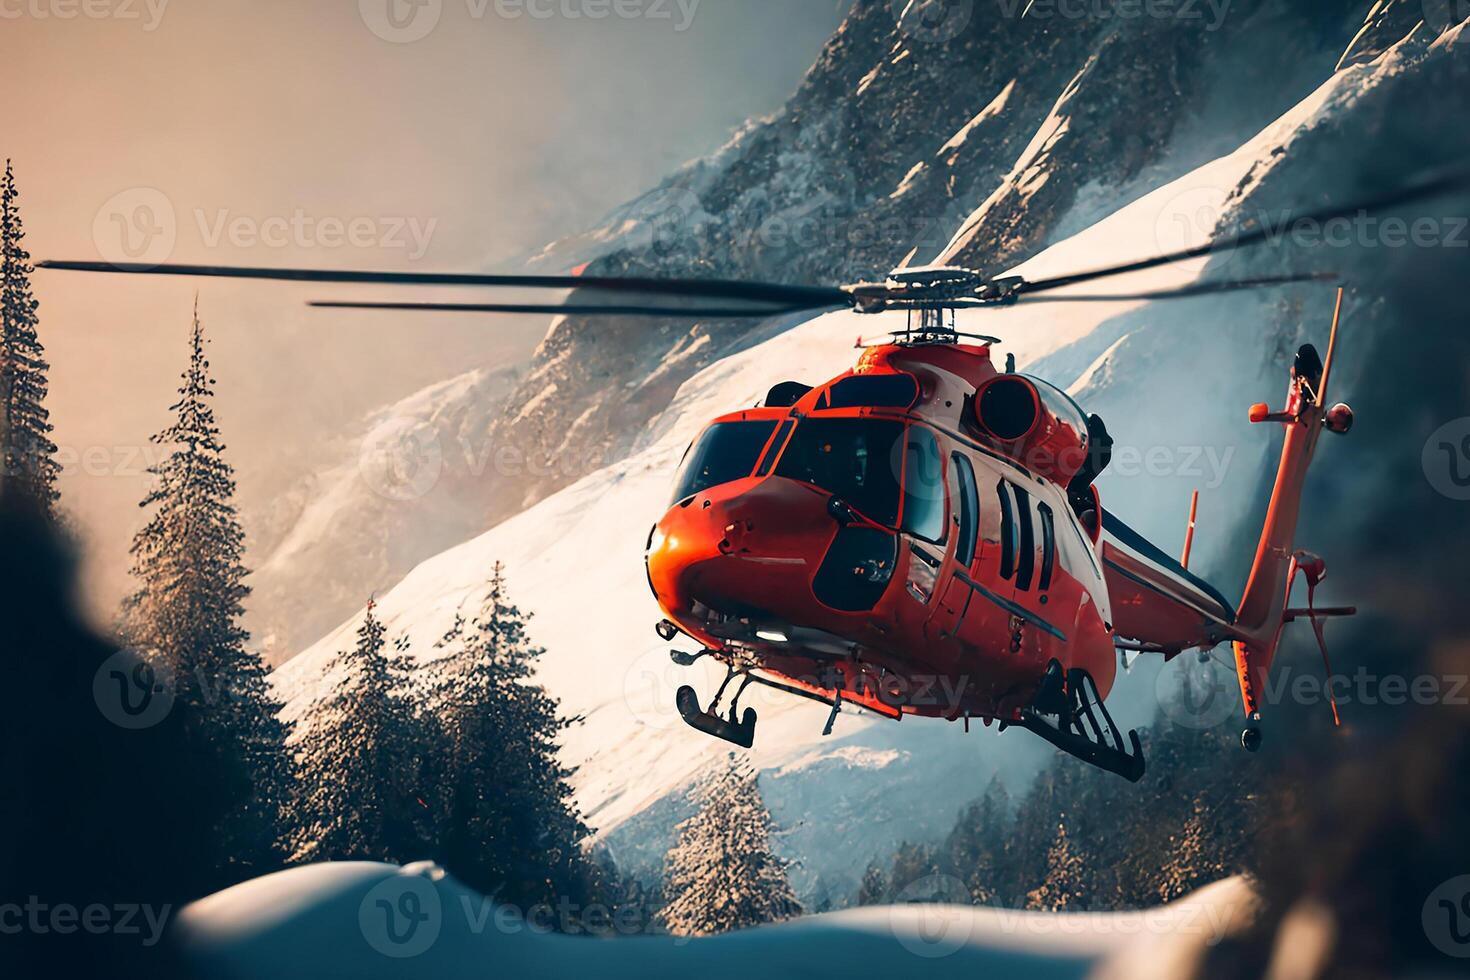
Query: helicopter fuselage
[{"x": 871, "y": 540}]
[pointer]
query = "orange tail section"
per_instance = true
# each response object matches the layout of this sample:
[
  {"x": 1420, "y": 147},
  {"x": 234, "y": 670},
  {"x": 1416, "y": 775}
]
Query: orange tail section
[{"x": 1263, "y": 608}]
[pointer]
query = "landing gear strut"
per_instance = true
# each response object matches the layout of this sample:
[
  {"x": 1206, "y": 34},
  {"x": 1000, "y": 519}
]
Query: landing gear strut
[{"x": 1072, "y": 717}]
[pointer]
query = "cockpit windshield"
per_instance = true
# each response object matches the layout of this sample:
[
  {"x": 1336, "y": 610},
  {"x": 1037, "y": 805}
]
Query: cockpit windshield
[
  {"x": 857, "y": 460},
  {"x": 726, "y": 451}
]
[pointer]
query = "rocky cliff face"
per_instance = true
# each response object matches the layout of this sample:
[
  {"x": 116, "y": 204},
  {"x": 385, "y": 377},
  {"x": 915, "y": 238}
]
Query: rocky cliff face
[
  {"x": 956, "y": 131},
  {"x": 968, "y": 131}
]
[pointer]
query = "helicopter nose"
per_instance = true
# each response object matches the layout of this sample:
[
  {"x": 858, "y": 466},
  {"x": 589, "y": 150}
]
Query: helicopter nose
[{"x": 741, "y": 548}]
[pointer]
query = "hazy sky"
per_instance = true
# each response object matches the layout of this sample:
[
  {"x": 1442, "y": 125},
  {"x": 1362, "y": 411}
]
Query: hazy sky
[{"x": 431, "y": 134}]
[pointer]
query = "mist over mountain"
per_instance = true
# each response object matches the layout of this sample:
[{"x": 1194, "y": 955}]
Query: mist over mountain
[
  {"x": 956, "y": 130},
  {"x": 1034, "y": 144}
]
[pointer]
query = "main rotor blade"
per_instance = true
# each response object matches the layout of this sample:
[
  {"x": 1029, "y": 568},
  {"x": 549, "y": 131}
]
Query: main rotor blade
[
  {"x": 1426, "y": 187},
  {"x": 588, "y": 309},
  {"x": 767, "y": 292},
  {"x": 1185, "y": 292}
]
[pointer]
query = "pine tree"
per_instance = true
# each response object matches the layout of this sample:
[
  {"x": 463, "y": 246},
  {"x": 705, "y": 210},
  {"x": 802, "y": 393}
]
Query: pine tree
[
  {"x": 913, "y": 874},
  {"x": 507, "y": 823},
  {"x": 722, "y": 874},
  {"x": 185, "y": 616},
  {"x": 27, "y": 454},
  {"x": 874, "y": 887},
  {"x": 359, "y": 794},
  {"x": 1064, "y": 886},
  {"x": 977, "y": 845}
]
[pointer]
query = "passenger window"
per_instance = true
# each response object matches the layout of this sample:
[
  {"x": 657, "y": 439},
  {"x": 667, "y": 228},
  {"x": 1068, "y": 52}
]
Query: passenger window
[
  {"x": 1048, "y": 545},
  {"x": 923, "y": 486},
  {"x": 1026, "y": 558},
  {"x": 1007, "y": 530},
  {"x": 968, "y": 502}
]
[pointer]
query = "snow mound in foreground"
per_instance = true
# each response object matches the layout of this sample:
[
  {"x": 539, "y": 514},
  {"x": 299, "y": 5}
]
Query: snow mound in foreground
[{"x": 375, "y": 920}]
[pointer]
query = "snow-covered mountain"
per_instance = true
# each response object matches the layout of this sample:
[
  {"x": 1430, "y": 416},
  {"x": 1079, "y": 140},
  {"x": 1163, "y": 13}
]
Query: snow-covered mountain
[
  {"x": 981, "y": 130},
  {"x": 405, "y": 486},
  {"x": 1172, "y": 380}
]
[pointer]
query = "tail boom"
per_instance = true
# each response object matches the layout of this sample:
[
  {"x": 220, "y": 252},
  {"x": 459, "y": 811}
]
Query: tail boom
[{"x": 1263, "y": 610}]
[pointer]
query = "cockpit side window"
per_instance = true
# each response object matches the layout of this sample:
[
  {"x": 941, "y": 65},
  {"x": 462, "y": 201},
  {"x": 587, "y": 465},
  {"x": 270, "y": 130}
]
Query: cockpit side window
[
  {"x": 726, "y": 451},
  {"x": 923, "y": 486}
]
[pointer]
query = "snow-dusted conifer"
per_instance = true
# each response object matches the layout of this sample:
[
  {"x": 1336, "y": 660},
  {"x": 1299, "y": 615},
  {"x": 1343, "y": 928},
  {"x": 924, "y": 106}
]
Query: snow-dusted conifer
[
  {"x": 723, "y": 874},
  {"x": 976, "y": 848},
  {"x": 506, "y": 821},
  {"x": 359, "y": 795},
  {"x": 27, "y": 454},
  {"x": 185, "y": 615},
  {"x": 1064, "y": 888},
  {"x": 874, "y": 887}
]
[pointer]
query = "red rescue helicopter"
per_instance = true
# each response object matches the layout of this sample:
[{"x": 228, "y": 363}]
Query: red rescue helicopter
[{"x": 922, "y": 534}]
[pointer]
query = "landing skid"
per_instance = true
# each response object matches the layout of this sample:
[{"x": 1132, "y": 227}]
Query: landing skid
[
  {"x": 741, "y": 733},
  {"x": 1079, "y": 724}
]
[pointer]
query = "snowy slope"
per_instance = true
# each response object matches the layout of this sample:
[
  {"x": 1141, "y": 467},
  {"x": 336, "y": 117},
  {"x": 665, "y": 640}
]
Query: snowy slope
[
  {"x": 574, "y": 560},
  {"x": 894, "y": 137},
  {"x": 402, "y": 488},
  {"x": 342, "y": 920}
]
